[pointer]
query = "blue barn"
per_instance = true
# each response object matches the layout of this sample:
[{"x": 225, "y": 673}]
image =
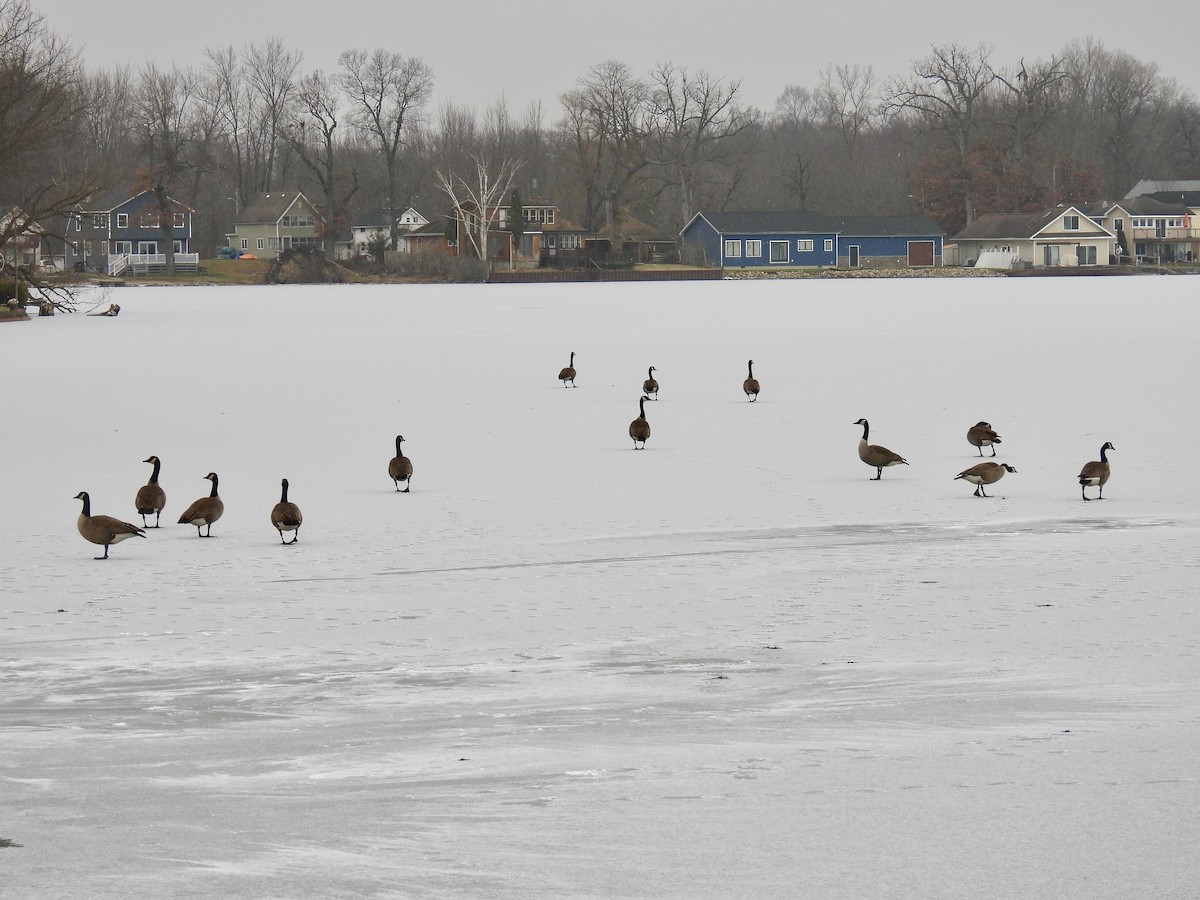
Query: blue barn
[{"x": 799, "y": 239}]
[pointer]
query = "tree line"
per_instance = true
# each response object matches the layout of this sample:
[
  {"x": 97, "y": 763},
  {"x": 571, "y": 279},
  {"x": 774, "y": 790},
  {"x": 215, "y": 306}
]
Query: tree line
[{"x": 959, "y": 135}]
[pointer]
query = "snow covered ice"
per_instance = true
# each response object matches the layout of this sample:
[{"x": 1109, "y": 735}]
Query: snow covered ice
[{"x": 728, "y": 666}]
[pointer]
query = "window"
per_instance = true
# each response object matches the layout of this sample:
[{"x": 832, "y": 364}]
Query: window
[
  {"x": 804, "y": 246},
  {"x": 1071, "y": 223},
  {"x": 779, "y": 251},
  {"x": 122, "y": 220},
  {"x": 99, "y": 220},
  {"x": 550, "y": 217},
  {"x": 177, "y": 246},
  {"x": 245, "y": 244},
  {"x": 828, "y": 245},
  {"x": 149, "y": 220},
  {"x": 123, "y": 247},
  {"x": 733, "y": 249},
  {"x": 261, "y": 242},
  {"x": 1086, "y": 255},
  {"x": 178, "y": 220},
  {"x": 754, "y": 248},
  {"x": 297, "y": 221},
  {"x": 78, "y": 222},
  {"x": 570, "y": 242}
]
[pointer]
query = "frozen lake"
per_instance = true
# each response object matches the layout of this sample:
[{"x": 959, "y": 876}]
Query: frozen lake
[{"x": 728, "y": 666}]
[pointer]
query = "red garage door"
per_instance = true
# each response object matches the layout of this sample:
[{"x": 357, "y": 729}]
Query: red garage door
[{"x": 920, "y": 253}]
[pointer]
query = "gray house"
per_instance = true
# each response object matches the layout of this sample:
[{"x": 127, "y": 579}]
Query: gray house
[{"x": 276, "y": 220}]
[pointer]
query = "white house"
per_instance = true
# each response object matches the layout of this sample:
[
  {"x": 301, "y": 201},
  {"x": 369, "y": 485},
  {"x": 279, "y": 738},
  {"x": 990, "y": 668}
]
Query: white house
[{"x": 377, "y": 223}]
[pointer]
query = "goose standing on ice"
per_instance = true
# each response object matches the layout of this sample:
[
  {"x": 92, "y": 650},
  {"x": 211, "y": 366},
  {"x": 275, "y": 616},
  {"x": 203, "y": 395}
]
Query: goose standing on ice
[
  {"x": 984, "y": 473},
  {"x": 103, "y": 529},
  {"x": 750, "y": 385},
  {"x": 204, "y": 511},
  {"x": 875, "y": 455},
  {"x": 982, "y": 435},
  {"x": 639, "y": 428},
  {"x": 1095, "y": 473},
  {"x": 150, "y": 497},
  {"x": 567, "y": 373},
  {"x": 285, "y": 516},
  {"x": 650, "y": 385},
  {"x": 400, "y": 467}
]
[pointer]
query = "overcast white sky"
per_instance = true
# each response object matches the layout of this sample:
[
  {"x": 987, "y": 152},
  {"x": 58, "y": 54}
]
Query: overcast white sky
[{"x": 528, "y": 52}]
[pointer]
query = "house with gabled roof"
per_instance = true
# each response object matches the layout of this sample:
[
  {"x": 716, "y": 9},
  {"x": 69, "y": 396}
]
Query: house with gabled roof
[
  {"x": 276, "y": 220},
  {"x": 376, "y": 223},
  {"x": 1059, "y": 236},
  {"x": 776, "y": 239},
  {"x": 115, "y": 232},
  {"x": 1149, "y": 229}
]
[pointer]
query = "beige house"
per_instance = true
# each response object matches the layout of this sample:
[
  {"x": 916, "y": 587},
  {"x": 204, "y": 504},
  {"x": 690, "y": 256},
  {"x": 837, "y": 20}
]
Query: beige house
[
  {"x": 1060, "y": 236},
  {"x": 1150, "y": 230},
  {"x": 276, "y": 220}
]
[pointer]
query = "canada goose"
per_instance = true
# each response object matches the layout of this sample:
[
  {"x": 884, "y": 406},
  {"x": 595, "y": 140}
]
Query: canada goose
[
  {"x": 639, "y": 428},
  {"x": 750, "y": 385},
  {"x": 875, "y": 455},
  {"x": 1095, "y": 473},
  {"x": 650, "y": 385},
  {"x": 150, "y": 497},
  {"x": 286, "y": 516},
  {"x": 400, "y": 468},
  {"x": 204, "y": 511},
  {"x": 981, "y": 435},
  {"x": 984, "y": 473},
  {"x": 103, "y": 529},
  {"x": 568, "y": 372}
]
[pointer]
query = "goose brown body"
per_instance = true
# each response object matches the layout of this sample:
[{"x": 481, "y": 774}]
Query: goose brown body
[
  {"x": 1096, "y": 472},
  {"x": 285, "y": 516},
  {"x": 876, "y": 455},
  {"x": 984, "y": 473},
  {"x": 400, "y": 467},
  {"x": 982, "y": 435},
  {"x": 750, "y": 385},
  {"x": 150, "y": 496},
  {"x": 204, "y": 511},
  {"x": 104, "y": 530},
  {"x": 567, "y": 373},
  {"x": 639, "y": 428},
  {"x": 650, "y": 385}
]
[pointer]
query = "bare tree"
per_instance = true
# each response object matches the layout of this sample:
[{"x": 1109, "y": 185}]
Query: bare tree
[
  {"x": 386, "y": 92},
  {"x": 946, "y": 90},
  {"x": 696, "y": 118},
  {"x": 313, "y": 140},
  {"x": 161, "y": 112},
  {"x": 272, "y": 72},
  {"x": 476, "y": 201},
  {"x": 607, "y": 130},
  {"x": 42, "y": 98}
]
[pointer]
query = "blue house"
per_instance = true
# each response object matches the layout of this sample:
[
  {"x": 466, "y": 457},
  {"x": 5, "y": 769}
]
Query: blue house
[
  {"x": 798, "y": 239},
  {"x": 118, "y": 232}
]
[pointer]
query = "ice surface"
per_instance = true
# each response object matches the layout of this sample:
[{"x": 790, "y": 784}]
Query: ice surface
[{"x": 729, "y": 666}]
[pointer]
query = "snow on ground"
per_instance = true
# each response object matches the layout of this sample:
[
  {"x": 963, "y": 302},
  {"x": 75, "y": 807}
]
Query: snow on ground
[{"x": 727, "y": 666}]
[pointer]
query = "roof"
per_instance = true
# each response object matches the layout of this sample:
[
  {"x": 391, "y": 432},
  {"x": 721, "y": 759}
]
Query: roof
[
  {"x": 378, "y": 217},
  {"x": 1144, "y": 205},
  {"x": 1190, "y": 199},
  {"x": 268, "y": 208},
  {"x": 775, "y": 222},
  {"x": 1156, "y": 187},
  {"x": 1022, "y": 226}
]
